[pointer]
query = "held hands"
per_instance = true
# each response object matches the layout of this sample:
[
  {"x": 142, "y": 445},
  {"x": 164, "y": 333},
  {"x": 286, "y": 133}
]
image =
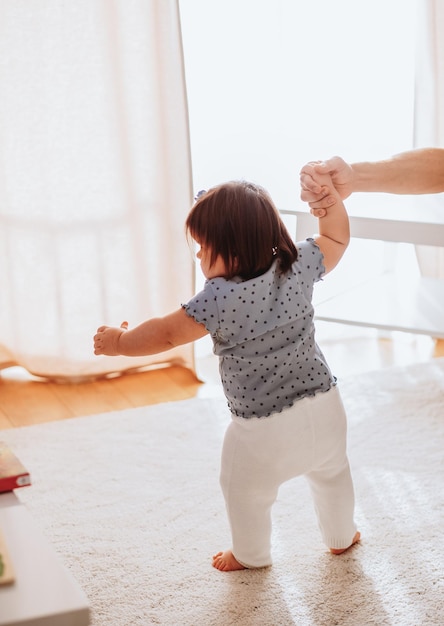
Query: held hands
[
  {"x": 106, "y": 341},
  {"x": 318, "y": 196}
]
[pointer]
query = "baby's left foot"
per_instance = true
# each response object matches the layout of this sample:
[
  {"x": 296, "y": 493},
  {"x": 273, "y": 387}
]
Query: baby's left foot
[
  {"x": 225, "y": 562},
  {"x": 356, "y": 538}
]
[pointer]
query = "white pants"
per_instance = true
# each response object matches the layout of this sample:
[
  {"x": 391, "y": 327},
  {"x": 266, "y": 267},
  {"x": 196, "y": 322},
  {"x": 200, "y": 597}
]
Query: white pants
[{"x": 259, "y": 454}]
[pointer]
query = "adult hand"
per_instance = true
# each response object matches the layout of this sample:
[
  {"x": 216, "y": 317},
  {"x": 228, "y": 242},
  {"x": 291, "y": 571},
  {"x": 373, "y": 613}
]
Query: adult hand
[{"x": 319, "y": 197}]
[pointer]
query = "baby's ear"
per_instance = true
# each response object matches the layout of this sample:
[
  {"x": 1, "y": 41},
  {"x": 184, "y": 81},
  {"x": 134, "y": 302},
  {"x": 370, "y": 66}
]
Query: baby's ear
[{"x": 234, "y": 263}]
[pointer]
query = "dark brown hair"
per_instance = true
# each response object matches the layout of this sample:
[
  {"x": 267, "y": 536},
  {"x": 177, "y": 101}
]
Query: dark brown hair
[{"x": 239, "y": 221}]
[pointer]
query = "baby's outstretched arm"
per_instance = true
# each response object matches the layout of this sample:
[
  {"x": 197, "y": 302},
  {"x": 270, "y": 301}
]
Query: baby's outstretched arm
[
  {"x": 106, "y": 341},
  {"x": 151, "y": 337}
]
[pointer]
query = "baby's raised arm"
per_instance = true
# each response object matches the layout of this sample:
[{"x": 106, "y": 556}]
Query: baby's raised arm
[{"x": 334, "y": 228}]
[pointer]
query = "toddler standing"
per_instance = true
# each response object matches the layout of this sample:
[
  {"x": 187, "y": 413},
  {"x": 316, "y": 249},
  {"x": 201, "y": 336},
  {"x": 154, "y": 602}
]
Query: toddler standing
[{"x": 287, "y": 417}]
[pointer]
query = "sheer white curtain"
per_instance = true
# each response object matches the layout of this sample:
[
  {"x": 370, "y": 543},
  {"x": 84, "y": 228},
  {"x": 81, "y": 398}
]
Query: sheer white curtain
[
  {"x": 429, "y": 109},
  {"x": 95, "y": 178}
]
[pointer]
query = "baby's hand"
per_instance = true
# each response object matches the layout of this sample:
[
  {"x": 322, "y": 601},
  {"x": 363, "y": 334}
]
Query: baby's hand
[
  {"x": 106, "y": 340},
  {"x": 326, "y": 197},
  {"x": 316, "y": 188}
]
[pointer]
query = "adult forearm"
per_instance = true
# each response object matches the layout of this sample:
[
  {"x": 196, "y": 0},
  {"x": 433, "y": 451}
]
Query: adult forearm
[{"x": 412, "y": 172}]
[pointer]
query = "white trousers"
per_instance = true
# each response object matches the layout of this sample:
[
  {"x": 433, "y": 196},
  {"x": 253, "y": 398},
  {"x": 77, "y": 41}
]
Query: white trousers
[{"x": 259, "y": 454}]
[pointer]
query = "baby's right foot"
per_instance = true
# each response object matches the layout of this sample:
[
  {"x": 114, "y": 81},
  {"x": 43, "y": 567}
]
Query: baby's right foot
[{"x": 356, "y": 538}]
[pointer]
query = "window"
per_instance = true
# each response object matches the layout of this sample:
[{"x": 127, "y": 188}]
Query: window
[{"x": 272, "y": 85}]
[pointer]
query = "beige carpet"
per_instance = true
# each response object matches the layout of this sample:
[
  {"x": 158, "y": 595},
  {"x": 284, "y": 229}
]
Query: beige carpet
[{"x": 131, "y": 502}]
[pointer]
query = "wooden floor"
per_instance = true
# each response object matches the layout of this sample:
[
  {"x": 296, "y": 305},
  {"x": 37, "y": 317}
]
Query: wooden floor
[{"x": 25, "y": 400}]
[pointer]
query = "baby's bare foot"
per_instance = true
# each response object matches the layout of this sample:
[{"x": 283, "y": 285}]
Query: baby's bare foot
[
  {"x": 225, "y": 562},
  {"x": 356, "y": 538}
]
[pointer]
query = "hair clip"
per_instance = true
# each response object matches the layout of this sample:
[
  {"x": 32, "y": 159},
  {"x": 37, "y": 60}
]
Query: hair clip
[
  {"x": 274, "y": 250},
  {"x": 199, "y": 194}
]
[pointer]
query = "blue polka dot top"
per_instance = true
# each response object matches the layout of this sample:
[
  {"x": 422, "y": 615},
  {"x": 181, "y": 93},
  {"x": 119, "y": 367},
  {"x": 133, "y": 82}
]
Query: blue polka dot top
[{"x": 263, "y": 333}]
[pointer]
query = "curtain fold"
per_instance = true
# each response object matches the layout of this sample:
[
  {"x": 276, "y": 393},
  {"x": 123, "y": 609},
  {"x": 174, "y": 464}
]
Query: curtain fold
[
  {"x": 429, "y": 110},
  {"x": 95, "y": 179}
]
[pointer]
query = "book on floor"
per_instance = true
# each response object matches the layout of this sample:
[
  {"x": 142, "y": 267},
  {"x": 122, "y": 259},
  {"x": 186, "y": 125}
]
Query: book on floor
[
  {"x": 6, "y": 571},
  {"x": 13, "y": 473}
]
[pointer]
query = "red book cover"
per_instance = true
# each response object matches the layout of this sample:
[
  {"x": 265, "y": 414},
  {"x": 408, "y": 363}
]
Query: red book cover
[{"x": 12, "y": 473}]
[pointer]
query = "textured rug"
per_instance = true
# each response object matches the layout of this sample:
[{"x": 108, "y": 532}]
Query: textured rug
[{"x": 131, "y": 502}]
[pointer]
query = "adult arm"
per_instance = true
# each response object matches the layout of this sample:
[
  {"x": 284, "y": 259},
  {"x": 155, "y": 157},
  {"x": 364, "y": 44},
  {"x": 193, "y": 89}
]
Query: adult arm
[
  {"x": 151, "y": 337},
  {"x": 417, "y": 171}
]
